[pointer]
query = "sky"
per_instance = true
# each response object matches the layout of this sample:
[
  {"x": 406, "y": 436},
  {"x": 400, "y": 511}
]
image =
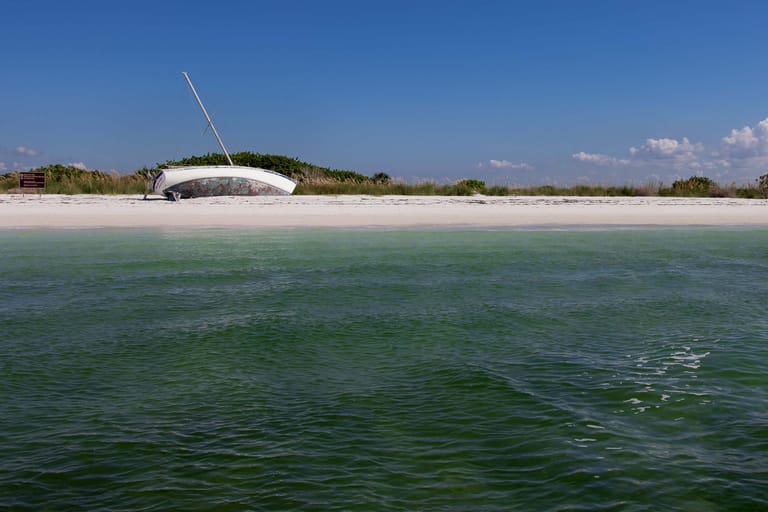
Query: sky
[{"x": 509, "y": 92}]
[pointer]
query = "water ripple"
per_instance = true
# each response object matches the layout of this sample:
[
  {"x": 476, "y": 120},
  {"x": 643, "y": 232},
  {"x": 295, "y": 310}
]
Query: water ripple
[{"x": 384, "y": 371}]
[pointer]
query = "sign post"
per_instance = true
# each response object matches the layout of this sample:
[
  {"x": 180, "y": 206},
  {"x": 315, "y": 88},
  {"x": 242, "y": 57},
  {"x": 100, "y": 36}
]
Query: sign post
[{"x": 34, "y": 180}]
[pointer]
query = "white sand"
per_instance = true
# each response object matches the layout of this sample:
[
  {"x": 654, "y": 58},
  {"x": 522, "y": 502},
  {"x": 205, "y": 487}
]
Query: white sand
[{"x": 30, "y": 210}]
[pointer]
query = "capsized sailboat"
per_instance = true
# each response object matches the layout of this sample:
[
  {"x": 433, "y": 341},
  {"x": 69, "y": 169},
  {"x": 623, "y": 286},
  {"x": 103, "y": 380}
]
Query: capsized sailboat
[{"x": 218, "y": 180}]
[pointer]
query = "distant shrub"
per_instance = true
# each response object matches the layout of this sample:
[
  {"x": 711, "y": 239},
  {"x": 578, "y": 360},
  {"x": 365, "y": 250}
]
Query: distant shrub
[
  {"x": 762, "y": 185},
  {"x": 476, "y": 185},
  {"x": 347, "y": 176},
  {"x": 497, "y": 190},
  {"x": 695, "y": 186},
  {"x": 750, "y": 193},
  {"x": 624, "y": 191},
  {"x": 381, "y": 178},
  {"x": 546, "y": 190},
  {"x": 9, "y": 181}
]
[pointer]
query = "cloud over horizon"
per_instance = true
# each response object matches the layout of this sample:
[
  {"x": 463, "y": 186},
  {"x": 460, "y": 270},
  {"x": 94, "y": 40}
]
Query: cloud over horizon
[
  {"x": 506, "y": 164},
  {"x": 599, "y": 159},
  {"x": 745, "y": 148},
  {"x": 747, "y": 143},
  {"x": 26, "y": 151}
]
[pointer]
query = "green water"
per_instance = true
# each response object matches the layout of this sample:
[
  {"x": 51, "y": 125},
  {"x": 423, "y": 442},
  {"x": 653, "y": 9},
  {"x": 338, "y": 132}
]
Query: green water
[{"x": 384, "y": 370}]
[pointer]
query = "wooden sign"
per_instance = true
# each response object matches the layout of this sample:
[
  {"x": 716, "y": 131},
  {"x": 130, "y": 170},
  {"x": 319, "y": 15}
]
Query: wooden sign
[{"x": 31, "y": 180}]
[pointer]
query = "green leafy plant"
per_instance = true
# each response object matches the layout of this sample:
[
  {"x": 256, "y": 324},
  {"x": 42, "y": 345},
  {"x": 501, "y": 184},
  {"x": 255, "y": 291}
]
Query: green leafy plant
[
  {"x": 381, "y": 178},
  {"x": 475, "y": 185},
  {"x": 695, "y": 186}
]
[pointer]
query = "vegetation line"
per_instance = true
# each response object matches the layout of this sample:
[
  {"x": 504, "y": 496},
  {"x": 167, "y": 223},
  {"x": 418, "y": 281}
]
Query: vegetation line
[{"x": 313, "y": 179}]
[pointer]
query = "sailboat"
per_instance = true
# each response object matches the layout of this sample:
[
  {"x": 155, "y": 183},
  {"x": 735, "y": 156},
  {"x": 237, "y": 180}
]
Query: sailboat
[{"x": 218, "y": 180}]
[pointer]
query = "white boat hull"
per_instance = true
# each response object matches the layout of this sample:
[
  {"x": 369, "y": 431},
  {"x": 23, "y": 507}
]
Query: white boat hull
[{"x": 220, "y": 180}]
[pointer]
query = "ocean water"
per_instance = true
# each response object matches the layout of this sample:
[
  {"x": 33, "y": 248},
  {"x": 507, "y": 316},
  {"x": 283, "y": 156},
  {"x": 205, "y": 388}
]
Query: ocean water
[{"x": 384, "y": 370}]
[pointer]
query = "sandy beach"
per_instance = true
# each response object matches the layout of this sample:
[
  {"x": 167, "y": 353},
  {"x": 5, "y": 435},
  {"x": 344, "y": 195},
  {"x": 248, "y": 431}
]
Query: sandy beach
[{"x": 89, "y": 211}]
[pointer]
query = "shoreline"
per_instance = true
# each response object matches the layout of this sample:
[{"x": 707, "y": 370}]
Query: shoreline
[{"x": 353, "y": 211}]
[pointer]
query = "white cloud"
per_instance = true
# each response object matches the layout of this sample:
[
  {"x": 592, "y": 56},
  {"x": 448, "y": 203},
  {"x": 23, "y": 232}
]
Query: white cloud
[
  {"x": 506, "y": 164},
  {"x": 743, "y": 139},
  {"x": 599, "y": 159},
  {"x": 2, "y": 166},
  {"x": 671, "y": 154},
  {"x": 667, "y": 148},
  {"x": 25, "y": 151},
  {"x": 79, "y": 165},
  {"x": 746, "y": 142}
]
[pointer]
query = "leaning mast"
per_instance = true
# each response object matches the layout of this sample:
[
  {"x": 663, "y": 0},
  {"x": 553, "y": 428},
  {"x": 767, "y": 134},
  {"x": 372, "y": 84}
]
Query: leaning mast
[{"x": 207, "y": 117}]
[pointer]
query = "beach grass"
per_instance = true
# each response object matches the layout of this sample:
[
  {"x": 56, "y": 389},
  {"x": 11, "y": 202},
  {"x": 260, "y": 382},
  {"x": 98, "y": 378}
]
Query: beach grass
[
  {"x": 69, "y": 180},
  {"x": 314, "y": 180},
  {"x": 461, "y": 189}
]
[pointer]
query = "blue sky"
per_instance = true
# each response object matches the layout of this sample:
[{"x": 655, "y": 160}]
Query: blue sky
[{"x": 510, "y": 92}]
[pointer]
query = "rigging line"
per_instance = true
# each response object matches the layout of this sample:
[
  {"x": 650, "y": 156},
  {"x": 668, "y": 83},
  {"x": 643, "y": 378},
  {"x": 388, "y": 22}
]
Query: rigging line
[{"x": 207, "y": 117}]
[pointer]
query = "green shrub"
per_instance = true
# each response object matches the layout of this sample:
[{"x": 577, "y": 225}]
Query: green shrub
[
  {"x": 547, "y": 190},
  {"x": 291, "y": 167},
  {"x": 695, "y": 186},
  {"x": 472, "y": 185},
  {"x": 497, "y": 190},
  {"x": 381, "y": 178},
  {"x": 750, "y": 193}
]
